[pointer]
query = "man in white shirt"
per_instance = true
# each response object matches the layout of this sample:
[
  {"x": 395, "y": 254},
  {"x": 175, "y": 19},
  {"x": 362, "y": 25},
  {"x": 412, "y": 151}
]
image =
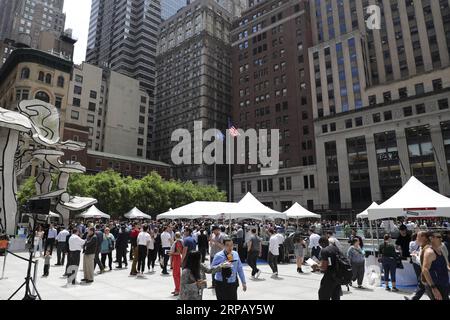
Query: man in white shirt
[
  {"x": 76, "y": 245},
  {"x": 166, "y": 244},
  {"x": 280, "y": 237},
  {"x": 61, "y": 246},
  {"x": 143, "y": 241},
  {"x": 274, "y": 252},
  {"x": 314, "y": 244},
  {"x": 51, "y": 237},
  {"x": 333, "y": 240}
]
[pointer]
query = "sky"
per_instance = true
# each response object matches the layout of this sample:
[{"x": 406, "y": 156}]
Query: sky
[{"x": 77, "y": 18}]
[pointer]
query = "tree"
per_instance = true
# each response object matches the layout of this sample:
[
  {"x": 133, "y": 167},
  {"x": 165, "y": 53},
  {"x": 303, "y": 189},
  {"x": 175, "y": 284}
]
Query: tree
[{"x": 117, "y": 195}]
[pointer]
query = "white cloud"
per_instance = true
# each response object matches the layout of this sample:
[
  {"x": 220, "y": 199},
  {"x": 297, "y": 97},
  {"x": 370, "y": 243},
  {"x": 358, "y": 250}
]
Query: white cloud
[{"x": 77, "y": 18}]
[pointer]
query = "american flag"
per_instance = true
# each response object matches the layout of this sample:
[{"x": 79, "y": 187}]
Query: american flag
[{"x": 233, "y": 131}]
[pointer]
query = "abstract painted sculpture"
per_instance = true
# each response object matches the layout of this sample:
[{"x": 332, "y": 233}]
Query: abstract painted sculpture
[{"x": 32, "y": 134}]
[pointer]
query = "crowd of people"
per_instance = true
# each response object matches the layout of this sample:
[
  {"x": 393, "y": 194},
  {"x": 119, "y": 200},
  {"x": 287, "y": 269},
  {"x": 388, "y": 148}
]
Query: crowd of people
[{"x": 182, "y": 250}]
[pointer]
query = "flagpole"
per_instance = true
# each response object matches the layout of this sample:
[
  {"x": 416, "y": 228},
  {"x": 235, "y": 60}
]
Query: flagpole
[{"x": 229, "y": 171}]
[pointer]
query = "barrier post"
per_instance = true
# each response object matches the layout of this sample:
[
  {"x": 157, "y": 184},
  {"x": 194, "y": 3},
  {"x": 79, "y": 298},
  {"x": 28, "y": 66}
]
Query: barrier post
[{"x": 36, "y": 263}]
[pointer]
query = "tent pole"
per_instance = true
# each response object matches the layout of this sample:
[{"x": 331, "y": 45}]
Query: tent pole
[
  {"x": 378, "y": 236},
  {"x": 371, "y": 237}
]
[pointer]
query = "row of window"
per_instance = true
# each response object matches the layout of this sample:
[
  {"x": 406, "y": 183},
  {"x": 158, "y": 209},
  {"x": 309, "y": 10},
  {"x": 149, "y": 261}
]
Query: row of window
[{"x": 25, "y": 73}]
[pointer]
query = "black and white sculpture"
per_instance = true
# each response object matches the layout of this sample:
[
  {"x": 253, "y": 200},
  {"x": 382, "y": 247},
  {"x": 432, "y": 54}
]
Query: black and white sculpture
[{"x": 32, "y": 134}]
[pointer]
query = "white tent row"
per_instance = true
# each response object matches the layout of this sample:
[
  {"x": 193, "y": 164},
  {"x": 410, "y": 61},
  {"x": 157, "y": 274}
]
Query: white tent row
[
  {"x": 298, "y": 212},
  {"x": 248, "y": 208},
  {"x": 414, "y": 200},
  {"x": 94, "y": 213},
  {"x": 137, "y": 214},
  {"x": 197, "y": 210}
]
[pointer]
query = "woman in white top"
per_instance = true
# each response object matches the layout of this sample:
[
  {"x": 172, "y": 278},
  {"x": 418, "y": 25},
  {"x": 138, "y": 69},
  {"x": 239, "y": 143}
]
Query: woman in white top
[
  {"x": 151, "y": 251},
  {"x": 38, "y": 239}
]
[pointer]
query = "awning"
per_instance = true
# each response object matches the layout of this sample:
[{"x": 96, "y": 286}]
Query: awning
[
  {"x": 365, "y": 213},
  {"x": 136, "y": 214},
  {"x": 94, "y": 213},
  {"x": 298, "y": 212},
  {"x": 414, "y": 200}
]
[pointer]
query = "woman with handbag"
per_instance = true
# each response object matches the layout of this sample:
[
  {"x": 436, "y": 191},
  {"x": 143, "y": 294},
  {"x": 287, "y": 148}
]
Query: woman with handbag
[
  {"x": 192, "y": 280},
  {"x": 388, "y": 258},
  {"x": 107, "y": 248}
]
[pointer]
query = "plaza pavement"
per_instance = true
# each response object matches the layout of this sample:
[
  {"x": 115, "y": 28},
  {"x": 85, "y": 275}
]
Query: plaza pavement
[{"x": 118, "y": 285}]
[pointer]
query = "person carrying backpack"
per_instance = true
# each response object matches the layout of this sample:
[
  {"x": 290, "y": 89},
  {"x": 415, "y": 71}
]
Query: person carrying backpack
[{"x": 336, "y": 269}]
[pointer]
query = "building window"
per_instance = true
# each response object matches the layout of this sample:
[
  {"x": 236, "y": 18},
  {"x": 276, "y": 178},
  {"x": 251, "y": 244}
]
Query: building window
[
  {"x": 41, "y": 76},
  {"x": 305, "y": 182},
  {"x": 312, "y": 182},
  {"x": 77, "y": 89},
  {"x": 76, "y": 102},
  {"x": 420, "y": 108},
  {"x": 388, "y": 163},
  {"x": 376, "y": 118},
  {"x": 75, "y": 115},
  {"x": 93, "y": 94},
  {"x": 61, "y": 81},
  {"x": 407, "y": 111},
  {"x": 25, "y": 73},
  {"x": 58, "y": 102},
  {"x": 41, "y": 95},
  {"x": 437, "y": 84},
  {"x": 92, "y": 106},
  {"x": 140, "y": 152},
  {"x": 443, "y": 104},
  {"x": 359, "y": 172},
  {"x": 48, "y": 78},
  {"x": 387, "y": 115},
  {"x": 348, "y": 123},
  {"x": 90, "y": 118},
  {"x": 289, "y": 183},
  {"x": 359, "y": 121}
]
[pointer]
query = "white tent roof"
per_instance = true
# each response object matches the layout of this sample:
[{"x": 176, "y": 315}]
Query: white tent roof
[
  {"x": 93, "y": 212},
  {"x": 365, "y": 213},
  {"x": 198, "y": 210},
  {"x": 250, "y": 208},
  {"x": 135, "y": 213},
  {"x": 298, "y": 212},
  {"x": 413, "y": 200}
]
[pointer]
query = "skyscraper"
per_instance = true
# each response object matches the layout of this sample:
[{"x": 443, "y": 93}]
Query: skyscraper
[
  {"x": 380, "y": 98},
  {"x": 34, "y": 16},
  {"x": 194, "y": 82},
  {"x": 123, "y": 35},
  {"x": 171, "y": 7},
  {"x": 7, "y": 11},
  {"x": 271, "y": 91}
]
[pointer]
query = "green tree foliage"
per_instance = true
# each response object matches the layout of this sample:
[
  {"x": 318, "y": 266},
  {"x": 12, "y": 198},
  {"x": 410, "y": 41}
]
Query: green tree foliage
[{"x": 117, "y": 195}]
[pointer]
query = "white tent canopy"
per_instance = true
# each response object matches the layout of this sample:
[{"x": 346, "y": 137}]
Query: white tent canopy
[
  {"x": 198, "y": 210},
  {"x": 365, "y": 213},
  {"x": 414, "y": 200},
  {"x": 250, "y": 208},
  {"x": 135, "y": 213},
  {"x": 298, "y": 212},
  {"x": 94, "y": 213}
]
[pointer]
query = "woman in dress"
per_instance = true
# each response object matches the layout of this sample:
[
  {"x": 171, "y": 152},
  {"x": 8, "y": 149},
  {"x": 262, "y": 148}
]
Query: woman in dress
[
  {"x": 175, "y": 254},
  {"x": 299, "y": 251}
]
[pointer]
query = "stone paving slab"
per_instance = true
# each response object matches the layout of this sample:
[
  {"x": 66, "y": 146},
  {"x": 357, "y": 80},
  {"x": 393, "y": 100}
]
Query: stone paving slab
[{"x": 118, "y": 285}]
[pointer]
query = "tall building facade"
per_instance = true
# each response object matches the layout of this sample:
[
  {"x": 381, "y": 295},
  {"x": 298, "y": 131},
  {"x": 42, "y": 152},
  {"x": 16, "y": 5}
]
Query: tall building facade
[
  {"x": 96, "y": 100},
  {"x": 7, "y": 11},
  {"x": 31, "y": 17},
  {"x": 380, "y": 98},
  {"x": 194, "y": 82},
  {"x": 171, "y": 7},
  {"x": 123, "y": 37},
  {"x": 271, "y": 91}
]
